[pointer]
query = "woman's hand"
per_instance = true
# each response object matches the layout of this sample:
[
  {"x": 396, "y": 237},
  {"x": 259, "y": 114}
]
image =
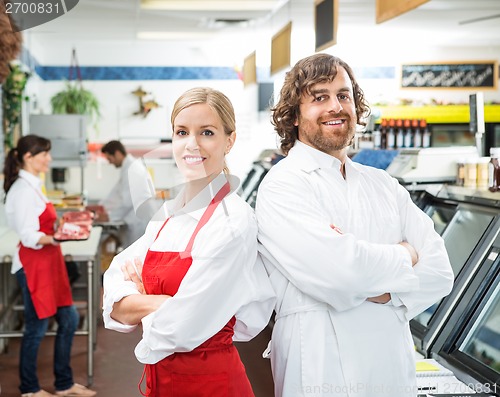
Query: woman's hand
[
  {"x": 382, "y": 299},
  {"x": 134, "y": 273}
]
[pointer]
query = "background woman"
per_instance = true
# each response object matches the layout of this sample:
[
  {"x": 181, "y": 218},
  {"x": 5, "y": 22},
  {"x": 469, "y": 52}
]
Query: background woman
[
  {"x": 202, "y": 283},
  {"x": 39, "y": 268}
]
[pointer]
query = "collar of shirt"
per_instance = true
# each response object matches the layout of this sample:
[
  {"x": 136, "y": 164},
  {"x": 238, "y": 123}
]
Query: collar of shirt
[
  {"x": 310, "y": 159},
  {"x": 33, "y": 180},
  {"x": 197, "y": 206},
  {"x": 129, "y": 159},
  {"x": 127, "y": 162}
]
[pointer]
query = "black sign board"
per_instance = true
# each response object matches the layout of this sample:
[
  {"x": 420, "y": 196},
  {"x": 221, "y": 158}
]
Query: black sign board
[
  {"x": 325, "y": 23},
  {"x": 475, "y": 75}
]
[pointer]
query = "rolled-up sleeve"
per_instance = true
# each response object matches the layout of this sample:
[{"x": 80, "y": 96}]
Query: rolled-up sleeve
[
  {"x": 433, "y": 268},
  {"x": 116, "y": 287},
  {"x": 23, "y": 208}
]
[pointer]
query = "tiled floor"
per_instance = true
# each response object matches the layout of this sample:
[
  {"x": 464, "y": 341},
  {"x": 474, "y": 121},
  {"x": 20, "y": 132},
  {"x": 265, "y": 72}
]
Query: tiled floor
[{"x": 116, "y": 371}]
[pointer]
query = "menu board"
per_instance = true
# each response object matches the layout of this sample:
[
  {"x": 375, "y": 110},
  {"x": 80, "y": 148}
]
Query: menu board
[{"x": 463, "y": 75}]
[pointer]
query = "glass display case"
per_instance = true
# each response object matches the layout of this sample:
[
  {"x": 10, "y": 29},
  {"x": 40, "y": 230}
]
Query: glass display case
[
  {"x": 468, "y": 231},
  {"x": 482, "y": 343},
  {"x": 440, "y": 211},
  {"x": 469, "y": 344},
  {"x": 250, "y": 184}
]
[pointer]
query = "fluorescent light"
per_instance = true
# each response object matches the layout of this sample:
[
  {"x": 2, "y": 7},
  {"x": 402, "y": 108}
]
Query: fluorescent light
[
  {"x": 174, "y": 35},
  {"x": 209, "y": 5}
]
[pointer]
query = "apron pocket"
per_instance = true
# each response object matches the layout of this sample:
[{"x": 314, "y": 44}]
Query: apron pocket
[{"x": 201, "y": 385}]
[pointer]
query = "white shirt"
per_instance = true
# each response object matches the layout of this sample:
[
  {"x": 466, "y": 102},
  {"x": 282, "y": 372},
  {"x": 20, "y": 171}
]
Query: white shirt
[
  {"x": 328, "y": 244},
  {"x": 132, "y": 190},
  {"x": 226, "y": 277},
  {"x": 24, "y": 204}
]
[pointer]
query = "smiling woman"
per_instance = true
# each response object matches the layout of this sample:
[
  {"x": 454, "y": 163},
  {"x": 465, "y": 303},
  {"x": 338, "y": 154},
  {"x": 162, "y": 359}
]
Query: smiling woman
[
  {"x": 203, "y": 133},
  {"x": 195, "y": 280}
]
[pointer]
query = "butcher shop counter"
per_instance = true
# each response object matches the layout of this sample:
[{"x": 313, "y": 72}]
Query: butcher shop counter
[{"x": 81, "y": 252}]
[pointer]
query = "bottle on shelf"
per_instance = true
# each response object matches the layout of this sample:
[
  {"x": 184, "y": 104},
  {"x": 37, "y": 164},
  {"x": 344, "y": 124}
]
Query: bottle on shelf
[
  {"x": 383, "y": 134},
  {"x": 417, "y": 134},
  {"x": 377, "y": 138},
  {"x": 400, "y": 135},
  {"x": 391, "y": 134},
  {"x": 408, "y": 138},
  {"x": 494, "y": 170},
  {"x": 426, "y": 134}
]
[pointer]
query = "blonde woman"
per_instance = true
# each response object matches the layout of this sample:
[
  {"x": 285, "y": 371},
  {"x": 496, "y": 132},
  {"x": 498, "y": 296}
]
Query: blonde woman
[{"x": 194, "y": 280}]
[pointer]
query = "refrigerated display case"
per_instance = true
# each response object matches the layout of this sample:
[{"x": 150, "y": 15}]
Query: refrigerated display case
[
  {"x": 469, "y": 344},
  {"x": 469, "y": 221},
  {"x": 260, "y": 167},
  {"x": 250, "y": 184}
]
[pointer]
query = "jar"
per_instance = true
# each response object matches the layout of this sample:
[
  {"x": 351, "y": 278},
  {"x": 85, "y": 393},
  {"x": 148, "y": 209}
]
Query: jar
[
  {"x": 494, "y": 170},
  {"x": 483, "y": 173},
  {"x": 459, "y": 181},
  {"x": 470, "y": 173}
]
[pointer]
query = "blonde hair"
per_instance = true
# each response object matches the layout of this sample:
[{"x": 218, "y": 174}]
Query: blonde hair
[{"x": 217, "y": 101}]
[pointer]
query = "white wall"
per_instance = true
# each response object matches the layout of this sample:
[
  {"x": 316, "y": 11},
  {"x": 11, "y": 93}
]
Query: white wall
[{"x": 359, "y": 47}]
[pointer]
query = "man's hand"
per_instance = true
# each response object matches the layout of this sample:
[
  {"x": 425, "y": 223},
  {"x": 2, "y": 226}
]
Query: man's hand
[
  {"x": 412, "y": 251},
  {"x": 134, "y": 274}
]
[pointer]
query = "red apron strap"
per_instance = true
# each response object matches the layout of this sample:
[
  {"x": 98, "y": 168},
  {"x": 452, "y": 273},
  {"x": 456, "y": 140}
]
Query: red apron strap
[
  {"x": 223, "y": 192},
  {"x": 148, "y": 372},
  {"x": 161, "y": 228}
]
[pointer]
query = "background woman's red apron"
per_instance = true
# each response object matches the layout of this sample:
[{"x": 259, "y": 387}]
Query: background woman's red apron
[{"x": 45, "y": 271}]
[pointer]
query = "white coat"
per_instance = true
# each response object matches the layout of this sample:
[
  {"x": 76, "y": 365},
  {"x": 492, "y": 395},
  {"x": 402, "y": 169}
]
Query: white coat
[
  {"x": 227, "y": 277},
  {"x": 133, "y": 189},
  {"x": 329, "y": 243}
]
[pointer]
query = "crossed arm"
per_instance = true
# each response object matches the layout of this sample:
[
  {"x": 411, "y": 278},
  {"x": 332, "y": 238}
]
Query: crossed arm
[{"x": 133, "y": 308}]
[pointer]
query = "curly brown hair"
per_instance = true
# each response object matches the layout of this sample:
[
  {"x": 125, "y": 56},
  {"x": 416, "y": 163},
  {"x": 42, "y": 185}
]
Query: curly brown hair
[{"x": 306, "y": 73}]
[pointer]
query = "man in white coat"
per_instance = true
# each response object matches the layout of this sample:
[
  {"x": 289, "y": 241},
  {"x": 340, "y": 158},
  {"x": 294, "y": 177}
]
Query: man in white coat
[
  {"x": 132, "y": 199},
  {"x": 351, "y": 258}
]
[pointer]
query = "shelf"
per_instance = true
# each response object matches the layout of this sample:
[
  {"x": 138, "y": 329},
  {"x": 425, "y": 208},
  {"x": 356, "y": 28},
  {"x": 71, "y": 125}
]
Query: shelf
[
  {"x": 441, "y": 114},
  {"x": 484, "y": 197}
]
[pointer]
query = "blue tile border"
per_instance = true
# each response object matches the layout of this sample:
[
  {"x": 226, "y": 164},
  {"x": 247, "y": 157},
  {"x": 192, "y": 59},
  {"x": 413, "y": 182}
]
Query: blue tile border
[
  {"x": 51, "y": 73},
  {"x": 117, "y": 73},
  {"x": 375, "y": 72}
]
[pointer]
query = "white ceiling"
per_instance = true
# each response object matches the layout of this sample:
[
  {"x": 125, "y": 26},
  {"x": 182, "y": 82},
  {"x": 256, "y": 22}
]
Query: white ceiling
[{"x": 438, "y": 21}]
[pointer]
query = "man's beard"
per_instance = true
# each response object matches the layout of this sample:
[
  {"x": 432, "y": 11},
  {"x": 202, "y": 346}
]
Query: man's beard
[{"x": 329, "y": 144}]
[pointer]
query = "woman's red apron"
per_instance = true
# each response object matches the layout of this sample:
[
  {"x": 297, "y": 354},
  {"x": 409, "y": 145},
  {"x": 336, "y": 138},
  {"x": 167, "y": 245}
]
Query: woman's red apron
[
  {"x": 45, "y": 270},
  {"x": 214, "y": 368}
]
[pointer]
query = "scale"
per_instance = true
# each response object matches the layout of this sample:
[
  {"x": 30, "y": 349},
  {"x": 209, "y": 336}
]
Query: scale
[{"x": 429, "y": 165}]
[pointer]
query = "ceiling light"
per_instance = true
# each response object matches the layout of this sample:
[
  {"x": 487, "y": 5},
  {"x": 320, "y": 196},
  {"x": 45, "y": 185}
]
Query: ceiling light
[
  {"x": 173, "y": 35},
  {"x": 212, "y": 5}
]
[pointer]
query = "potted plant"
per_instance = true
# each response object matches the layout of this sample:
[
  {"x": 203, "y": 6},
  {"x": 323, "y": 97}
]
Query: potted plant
[
  {"x": 12, "y": 98},
  {"x": 75, "y": 99}
]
